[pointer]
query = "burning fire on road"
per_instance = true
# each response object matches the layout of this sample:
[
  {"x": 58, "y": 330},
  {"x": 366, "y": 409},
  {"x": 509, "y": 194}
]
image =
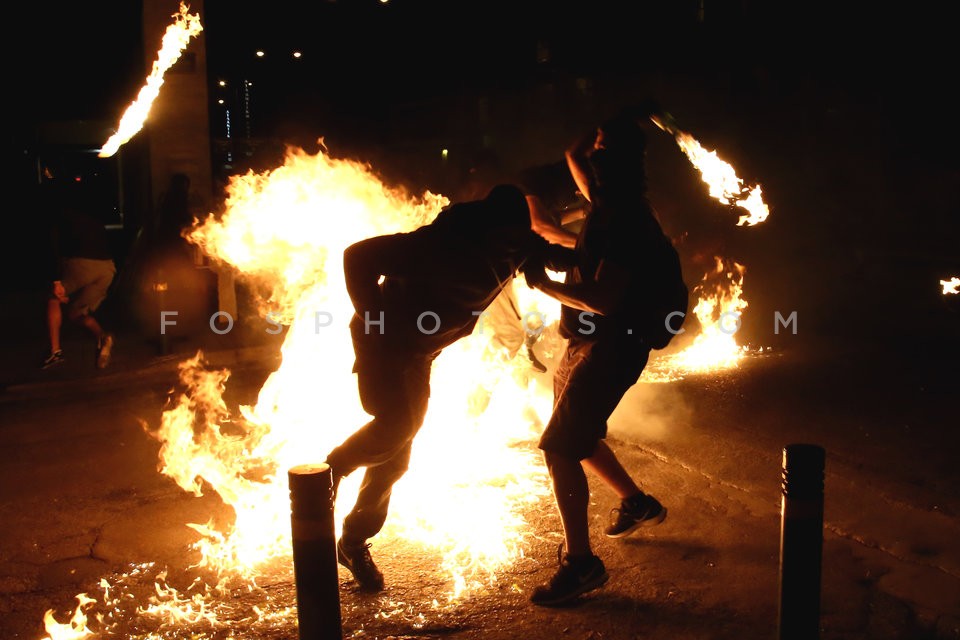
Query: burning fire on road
[{"x": 284, "y": 231}]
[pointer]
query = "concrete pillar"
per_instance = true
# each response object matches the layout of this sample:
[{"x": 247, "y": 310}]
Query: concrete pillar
[{"x": 178, "y": 127}]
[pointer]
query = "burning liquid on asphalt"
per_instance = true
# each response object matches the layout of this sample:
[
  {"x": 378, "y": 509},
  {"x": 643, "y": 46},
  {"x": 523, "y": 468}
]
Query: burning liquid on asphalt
[{"x": 475, "y": 471}]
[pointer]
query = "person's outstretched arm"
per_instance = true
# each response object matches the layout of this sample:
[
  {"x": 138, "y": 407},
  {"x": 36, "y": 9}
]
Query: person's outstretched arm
[
  {"x": 602, "y": 295},
  {"x": 361, "y": 273},
  {"x": 577, "y": 162},
  {"x": 544, "y": 224}
]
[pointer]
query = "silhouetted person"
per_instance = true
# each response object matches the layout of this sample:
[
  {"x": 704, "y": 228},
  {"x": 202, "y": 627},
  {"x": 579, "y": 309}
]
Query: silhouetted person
[
  {"x": 415, "y": 294},
  {"x": 81, "y": 267},
  {"x": 512, "y": 326},
  {"x": 616, "y": 306}
]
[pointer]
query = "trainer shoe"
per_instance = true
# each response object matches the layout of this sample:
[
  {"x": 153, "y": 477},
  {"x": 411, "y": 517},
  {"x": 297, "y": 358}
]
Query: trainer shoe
[
  {"x": 357, "y": 559},
  {"x": 638, "y": 511},
  {"x": 53, "y": 359},
  {"x": 575, "y": 577},
  {"x": 103, "y": 350}
]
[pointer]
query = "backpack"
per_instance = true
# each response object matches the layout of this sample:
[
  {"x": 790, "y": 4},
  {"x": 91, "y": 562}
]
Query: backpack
[{"x": 667, "y": 299}]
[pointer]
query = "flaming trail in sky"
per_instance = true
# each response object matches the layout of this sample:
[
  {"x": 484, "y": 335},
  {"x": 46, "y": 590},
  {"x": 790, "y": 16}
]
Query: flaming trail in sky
[
  {"x": 720, "y": 176},
  {"x": 951, "y": 286},
  {"x": 175, "y": 40},
  {"x": 721, "y": 299}
]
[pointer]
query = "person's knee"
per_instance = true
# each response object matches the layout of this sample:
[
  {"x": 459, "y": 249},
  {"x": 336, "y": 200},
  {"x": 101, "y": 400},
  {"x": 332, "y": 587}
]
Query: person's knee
[{"x": 554, "y": 460}]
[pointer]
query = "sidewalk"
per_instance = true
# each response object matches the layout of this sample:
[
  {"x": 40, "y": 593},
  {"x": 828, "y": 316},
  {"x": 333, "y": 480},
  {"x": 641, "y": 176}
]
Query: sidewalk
[{"x": 134, "y": 351}]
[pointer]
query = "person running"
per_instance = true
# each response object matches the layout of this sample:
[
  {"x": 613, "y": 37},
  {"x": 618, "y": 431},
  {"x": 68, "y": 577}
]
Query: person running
[{"x": 624, "y": 297}]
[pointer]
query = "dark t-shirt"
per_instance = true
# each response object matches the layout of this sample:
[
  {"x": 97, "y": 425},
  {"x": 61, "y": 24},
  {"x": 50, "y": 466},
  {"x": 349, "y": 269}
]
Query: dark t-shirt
[
  {"x": 632, "y": 239},
  {"x": 442, "y": 275}
]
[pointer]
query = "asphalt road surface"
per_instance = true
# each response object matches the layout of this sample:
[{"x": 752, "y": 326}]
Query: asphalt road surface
[{"x": 82, "y": 500}]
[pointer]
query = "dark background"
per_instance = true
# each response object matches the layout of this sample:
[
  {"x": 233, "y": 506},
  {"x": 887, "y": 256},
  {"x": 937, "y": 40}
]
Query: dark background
[{"x": 844, "y": 114}]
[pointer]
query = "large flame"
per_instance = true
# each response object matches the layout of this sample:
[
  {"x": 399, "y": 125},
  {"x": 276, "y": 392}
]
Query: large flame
[
  {"x": 721, "y": 301},
  {"x": 718, "y": 311},
  {"x": 175, "y": 40},
  {"x": 723, "y": 181},
  {"x": 951, "y": 286},
  {"x": 284, "y": 232}
]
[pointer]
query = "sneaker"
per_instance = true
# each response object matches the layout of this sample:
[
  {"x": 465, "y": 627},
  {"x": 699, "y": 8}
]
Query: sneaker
[
  {"x": 358, "y": 560},
  {"x": 575, "y": 577},
  {"x": 639, "y": 511},
  {"x": 103, "y": 351},
  {"x": 53, "y": 359}
]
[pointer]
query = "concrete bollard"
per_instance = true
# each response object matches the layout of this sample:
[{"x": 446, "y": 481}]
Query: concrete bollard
[
  {"x": 801, "y": 542},
  {"x": 315, "y": 552}
]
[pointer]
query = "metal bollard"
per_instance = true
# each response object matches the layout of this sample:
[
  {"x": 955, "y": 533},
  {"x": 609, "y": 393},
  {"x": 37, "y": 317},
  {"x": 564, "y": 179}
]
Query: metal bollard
[
  {"x": 315, "y": 552},
  {"x": 801, "y": 542}
]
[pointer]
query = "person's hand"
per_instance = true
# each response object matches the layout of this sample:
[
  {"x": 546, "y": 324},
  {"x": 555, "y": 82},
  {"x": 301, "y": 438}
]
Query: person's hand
[
  {"x": 59, "y": 292},
  {"x": 535, "y": 276}
]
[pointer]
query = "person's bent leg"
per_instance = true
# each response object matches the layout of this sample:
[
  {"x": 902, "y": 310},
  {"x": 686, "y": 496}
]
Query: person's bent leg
[
  {"x": 54, "y": 323},
  {"x": 606, "y": 465},
  {"x": 90, "y": 323},
  {"x": 395, "y": 390},
  {"x": 580, "y": 570},
  {"x": 637, "y": 509},
  {"x": 373, "y": 500},
  {"x": 367, "y": 517},
  {"x": 572, "y": 494},
  {"x": 398, "y": 398}
]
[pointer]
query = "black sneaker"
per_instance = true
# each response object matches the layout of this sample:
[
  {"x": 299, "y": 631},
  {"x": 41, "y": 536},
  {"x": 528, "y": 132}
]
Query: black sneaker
[
  {"x": 639, "y": 511},
  {"x": 358, "y": 560},
  {"x": 575, "y": 577},
  {"x": 53, "y": 359}
]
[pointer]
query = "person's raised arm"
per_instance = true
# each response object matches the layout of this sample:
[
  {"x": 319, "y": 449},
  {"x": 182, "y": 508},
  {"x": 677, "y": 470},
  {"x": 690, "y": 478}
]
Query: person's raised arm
[
  {"x": 544, "y": 224},
  {"x": 361, "y": 274},
  {"x": 576, "y": 156},
  {"x": 366, "y": 261}
]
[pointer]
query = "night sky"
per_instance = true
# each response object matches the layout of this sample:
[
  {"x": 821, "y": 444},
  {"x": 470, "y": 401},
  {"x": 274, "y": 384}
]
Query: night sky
[
  {"x": 81, "y": 62},
  {"x": 851, "y": 107}
]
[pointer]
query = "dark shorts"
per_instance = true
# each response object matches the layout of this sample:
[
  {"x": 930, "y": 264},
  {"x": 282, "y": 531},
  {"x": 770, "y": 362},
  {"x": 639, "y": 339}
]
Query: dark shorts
[
  {"x": 86, "y": 282},
  {"x": 590, "y": 381}
]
